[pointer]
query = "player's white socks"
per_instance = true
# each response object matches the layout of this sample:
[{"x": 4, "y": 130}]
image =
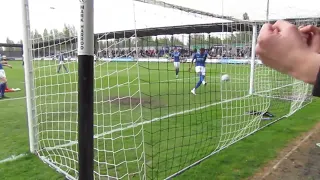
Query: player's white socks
[
  {"x": 203, "y": 82},
  {"x": 193, "y": 91}
]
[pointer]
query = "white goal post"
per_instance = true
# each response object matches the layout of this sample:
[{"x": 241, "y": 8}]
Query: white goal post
[
  {"x": 85, "y": 59},
  {"x": 28, "y": 74},
  {"x": 106, "y": 101}
]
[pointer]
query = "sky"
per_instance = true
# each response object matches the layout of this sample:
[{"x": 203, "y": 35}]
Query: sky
[{"x": 114, "y": 15}]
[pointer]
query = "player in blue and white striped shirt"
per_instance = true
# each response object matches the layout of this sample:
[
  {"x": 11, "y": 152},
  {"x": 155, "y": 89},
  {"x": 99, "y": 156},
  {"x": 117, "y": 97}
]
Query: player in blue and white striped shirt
[
  {"x": 61, "y": 63},
  {"x": 200, "y": 61}
]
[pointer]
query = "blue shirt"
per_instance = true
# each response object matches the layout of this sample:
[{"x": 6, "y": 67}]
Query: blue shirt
[
  {"x": 1, "y": 66},
  {"x": 200, "y": 59},
  {"x": 61, "y": 58},
  {"x": 176, "y": 56}
]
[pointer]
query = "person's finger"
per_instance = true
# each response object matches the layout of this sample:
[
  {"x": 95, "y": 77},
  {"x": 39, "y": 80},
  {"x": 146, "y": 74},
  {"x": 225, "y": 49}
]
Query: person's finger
[
  {"x": 310, "y": 29},
  {"x": 259, "y": 50},
  {"x": 265, "y": 31},
  {"x": 305, "y": 35},
  {"x": 266, "y": 28},
  {"x": 281, "y": 25}
]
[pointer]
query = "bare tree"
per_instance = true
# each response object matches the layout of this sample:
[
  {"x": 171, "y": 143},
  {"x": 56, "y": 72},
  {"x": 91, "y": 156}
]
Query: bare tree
[{"x": 245, "y": 16}]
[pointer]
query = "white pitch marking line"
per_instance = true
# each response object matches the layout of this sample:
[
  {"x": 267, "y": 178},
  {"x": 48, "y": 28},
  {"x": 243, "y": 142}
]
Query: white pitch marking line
[
  {"x": 288, "y": 154},
  {"x": 12, "y": 99},
  {"x": 146, "y": 122},
  {"x": 12, "y": 158}
]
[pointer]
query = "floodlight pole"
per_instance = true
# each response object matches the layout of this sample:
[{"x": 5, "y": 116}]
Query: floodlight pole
[
  {"x": 267, "y": 13},
  {"x": 85, "y": 89}
]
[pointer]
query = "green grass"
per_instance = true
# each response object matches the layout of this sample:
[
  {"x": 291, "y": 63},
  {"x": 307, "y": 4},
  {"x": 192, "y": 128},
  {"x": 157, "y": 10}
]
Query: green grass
[{"x": 171, "y": 143}]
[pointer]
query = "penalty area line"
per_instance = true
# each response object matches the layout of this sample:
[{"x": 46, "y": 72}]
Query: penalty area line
[
  {"x": 71, "y": 143},
  {"x": 12, "y": 158},
  {"x": 166, "y": 117}
]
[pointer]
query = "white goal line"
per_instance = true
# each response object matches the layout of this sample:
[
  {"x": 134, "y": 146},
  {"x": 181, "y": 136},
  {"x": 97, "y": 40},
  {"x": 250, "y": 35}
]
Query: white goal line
[
  {"x": 12, "y": 99},
  {"x": 12, "y": 158}
]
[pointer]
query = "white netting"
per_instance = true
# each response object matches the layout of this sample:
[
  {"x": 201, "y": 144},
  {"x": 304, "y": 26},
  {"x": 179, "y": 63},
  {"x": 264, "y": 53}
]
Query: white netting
[
  {"x": 147, "y": 123},
  {"x": 56, "y": 91}
]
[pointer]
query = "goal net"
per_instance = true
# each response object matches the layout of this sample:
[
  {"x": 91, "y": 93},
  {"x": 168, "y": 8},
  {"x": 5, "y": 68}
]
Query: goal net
[{"x": 147, "y": 122}]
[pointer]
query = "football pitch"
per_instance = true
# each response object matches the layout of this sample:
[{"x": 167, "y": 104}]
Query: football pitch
[
  {"x": 173, "y": 127},
  {"x": 139, "y": 107}
]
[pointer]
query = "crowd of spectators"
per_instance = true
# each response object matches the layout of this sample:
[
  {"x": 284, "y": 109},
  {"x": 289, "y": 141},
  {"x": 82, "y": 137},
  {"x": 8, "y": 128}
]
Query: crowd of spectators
[{"x": 214, "y": 52}]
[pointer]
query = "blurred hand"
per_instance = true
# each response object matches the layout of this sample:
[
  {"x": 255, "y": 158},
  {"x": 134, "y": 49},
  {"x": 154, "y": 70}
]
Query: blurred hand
[
  {"x": 305, "y": 37},
  {"x": 283, "y": 47},
  {"x": 312, "y": 36}
]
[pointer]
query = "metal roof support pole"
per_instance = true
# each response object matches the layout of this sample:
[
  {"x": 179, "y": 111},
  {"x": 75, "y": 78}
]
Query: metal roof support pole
[{"x": 188, "y": 10}]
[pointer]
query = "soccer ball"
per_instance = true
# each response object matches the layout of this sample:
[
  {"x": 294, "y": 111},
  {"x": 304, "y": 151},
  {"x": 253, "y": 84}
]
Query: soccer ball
[{"x": 225, "y": 77}]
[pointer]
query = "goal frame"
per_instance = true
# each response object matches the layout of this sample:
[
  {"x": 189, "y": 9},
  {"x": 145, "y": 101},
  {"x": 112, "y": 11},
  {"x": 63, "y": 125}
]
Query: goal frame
[
  {"x": 85, "y": 86},
  {"x": 85, "y": 103},
  {"x": 253, "y": 58},
  {"x": 28, "y": 74}
]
